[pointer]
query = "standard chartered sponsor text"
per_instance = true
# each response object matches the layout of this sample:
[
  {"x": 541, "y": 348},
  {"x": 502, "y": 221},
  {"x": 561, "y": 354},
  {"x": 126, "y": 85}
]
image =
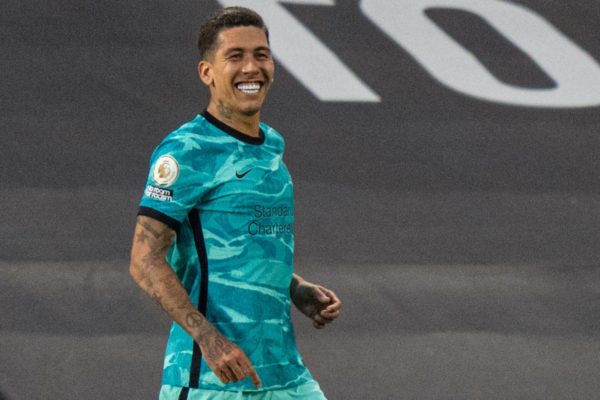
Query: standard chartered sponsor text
[{"x": 274, "y": 220}]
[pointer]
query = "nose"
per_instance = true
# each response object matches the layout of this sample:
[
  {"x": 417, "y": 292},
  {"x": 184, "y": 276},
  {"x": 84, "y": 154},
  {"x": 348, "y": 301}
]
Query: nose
[{"x": 250, "y": 65}]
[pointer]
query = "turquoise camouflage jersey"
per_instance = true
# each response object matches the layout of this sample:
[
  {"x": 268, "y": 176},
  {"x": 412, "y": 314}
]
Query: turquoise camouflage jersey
[{"x": 229, "y": 197}]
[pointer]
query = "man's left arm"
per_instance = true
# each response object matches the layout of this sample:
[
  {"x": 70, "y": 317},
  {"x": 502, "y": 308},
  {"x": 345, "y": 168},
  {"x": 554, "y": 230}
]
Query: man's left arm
[{"x": 316, "y": 302}]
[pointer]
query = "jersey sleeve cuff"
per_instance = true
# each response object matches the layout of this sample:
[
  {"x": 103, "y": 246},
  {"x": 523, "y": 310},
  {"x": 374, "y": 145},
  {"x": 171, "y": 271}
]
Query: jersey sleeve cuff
[{"x": 157, "y": 215}]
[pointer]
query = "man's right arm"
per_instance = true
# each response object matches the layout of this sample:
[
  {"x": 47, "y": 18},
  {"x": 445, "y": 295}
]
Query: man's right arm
[{"x": 155, "y": 276}]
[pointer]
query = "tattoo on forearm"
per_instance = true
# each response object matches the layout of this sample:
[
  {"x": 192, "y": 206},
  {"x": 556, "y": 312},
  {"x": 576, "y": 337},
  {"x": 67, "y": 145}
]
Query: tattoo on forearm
[
  {"x": 158, "y": 298},
  {"x": 216, "y": 346},
  {"x": 194, "y": 320},
  {"x": 169, "y": 282},
  {"x": 174, "y": 300},
  {"x": 225, "y": 347}
]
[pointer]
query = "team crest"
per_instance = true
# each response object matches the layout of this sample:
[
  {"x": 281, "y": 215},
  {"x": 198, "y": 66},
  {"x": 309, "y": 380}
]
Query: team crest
[{"x": 166, "y": 171}]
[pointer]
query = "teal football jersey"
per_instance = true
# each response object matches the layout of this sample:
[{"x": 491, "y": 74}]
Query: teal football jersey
[{"x": 229, "y": 197}]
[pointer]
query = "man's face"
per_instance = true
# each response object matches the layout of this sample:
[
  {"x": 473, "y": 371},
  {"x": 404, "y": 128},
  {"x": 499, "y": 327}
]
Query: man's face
[{"x": 240, "y": 72}]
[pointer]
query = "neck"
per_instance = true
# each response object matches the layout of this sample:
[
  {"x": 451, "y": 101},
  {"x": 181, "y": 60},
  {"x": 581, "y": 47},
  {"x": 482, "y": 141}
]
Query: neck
[{"x": 247, "y": 124}]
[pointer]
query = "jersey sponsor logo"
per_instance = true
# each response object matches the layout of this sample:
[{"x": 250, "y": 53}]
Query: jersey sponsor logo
[
  {"x": 159, "y": 194},
  {"x": 272, "y": 220},
  {"x": 260, "y": 228},
  {"x": 240, "y": 175},
  {"x": 261, "y": 211},
  {"x": 166, "y": 171}
]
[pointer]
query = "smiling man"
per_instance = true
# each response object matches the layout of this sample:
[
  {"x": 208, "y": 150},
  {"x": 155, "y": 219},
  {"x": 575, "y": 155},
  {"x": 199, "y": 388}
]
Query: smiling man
[{"x": 213, "y": 243}]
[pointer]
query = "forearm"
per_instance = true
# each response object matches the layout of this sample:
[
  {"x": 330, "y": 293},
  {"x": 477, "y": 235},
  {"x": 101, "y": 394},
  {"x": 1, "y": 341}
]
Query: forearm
[
  {"x": 163, "y": 285},
  {"x": 155, "y": 276}
]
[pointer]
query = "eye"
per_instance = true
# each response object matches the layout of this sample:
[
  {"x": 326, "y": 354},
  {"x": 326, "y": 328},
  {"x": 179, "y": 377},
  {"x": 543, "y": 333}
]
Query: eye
[
  {"x": 234, "y": 56},
  {"x": 263, "y": 55}
]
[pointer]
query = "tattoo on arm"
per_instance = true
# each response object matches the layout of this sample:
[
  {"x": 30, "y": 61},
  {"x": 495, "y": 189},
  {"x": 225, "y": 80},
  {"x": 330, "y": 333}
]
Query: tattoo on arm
[
  {"x": 169, "y": 283},
  {"x": 194, "y": 320},
  {"x": 151, "y": 230},
  {"x": 213, "y": 342},
  {"x": 163, "y": 285},
  {"x": 159, "y": 241},
  {"x": 158, "y": 299},
  {"x": 153, "y": 241},
  {"x": 218, "y": 346},
  {"x": 141, "y": 236}
]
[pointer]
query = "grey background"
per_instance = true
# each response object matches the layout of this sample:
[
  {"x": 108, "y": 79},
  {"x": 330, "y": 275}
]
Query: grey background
[{"x": 462, "y": 235}]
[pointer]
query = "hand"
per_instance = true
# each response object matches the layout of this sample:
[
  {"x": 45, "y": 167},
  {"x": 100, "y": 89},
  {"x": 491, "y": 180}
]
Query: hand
[
  {"x": 316, "y": 302},
  {"x": 227, "y": 360}
]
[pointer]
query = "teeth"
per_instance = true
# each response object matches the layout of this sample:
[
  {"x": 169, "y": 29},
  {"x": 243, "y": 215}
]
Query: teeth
[{"x": 251, "y": 87}]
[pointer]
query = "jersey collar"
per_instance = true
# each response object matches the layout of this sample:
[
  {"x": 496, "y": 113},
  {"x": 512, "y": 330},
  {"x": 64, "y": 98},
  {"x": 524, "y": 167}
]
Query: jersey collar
[{"x": 234, "y": 132}]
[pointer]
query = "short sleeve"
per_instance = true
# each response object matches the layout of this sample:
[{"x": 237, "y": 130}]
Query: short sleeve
[{"x": 177, "y": 180}]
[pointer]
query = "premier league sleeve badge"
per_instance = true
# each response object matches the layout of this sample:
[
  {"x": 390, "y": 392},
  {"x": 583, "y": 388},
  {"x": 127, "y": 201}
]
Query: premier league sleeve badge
[{"x": 166, "y": 171}]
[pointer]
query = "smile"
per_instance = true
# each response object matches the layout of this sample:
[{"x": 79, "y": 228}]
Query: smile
[{"x": 248, "y": 87}]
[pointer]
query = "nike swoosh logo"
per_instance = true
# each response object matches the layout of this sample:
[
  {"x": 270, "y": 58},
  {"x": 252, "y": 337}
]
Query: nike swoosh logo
[{"x": 243, "y": 174}]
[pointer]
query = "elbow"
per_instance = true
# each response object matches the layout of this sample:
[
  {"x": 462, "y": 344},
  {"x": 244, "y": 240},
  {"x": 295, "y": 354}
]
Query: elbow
[{"x": 134, "y": 269}]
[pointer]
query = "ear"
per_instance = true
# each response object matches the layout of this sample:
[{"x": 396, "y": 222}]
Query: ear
[{"x": 205, "y": 72}]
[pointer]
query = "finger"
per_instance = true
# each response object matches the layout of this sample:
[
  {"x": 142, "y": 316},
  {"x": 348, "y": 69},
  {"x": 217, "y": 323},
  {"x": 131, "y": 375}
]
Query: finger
[
  {"x": 221, "y": 375},
  {"x": 321, "y": 295},
  {"x": 325, "y": 317},
  {"x": 318, "y": 325},
  {"x": 228, "y": 374},
  {"x": 336, "y": 303},
  {"x": 251, "y": 373},
  {"x": 329, "y": 315},
  {"x": 237, "y": 371},
  {"x": 326, "y": 321},
  {"x": 334, "y": 307}
]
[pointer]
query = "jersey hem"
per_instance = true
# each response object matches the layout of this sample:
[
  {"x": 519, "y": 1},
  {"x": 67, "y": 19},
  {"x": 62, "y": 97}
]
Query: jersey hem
[{"x": 238, "y": 390}]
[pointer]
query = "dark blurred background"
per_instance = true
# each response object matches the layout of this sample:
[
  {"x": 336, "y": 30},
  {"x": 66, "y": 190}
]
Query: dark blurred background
[{"x": 462, "y": 233}]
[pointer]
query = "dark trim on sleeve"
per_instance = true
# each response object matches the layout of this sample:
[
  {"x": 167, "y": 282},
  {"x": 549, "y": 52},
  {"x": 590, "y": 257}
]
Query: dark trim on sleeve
[
  {"x": 157, "y": 215},
  {"x": 183, "y": 395},
  {"x": 196, "y": 224},
  {"x": 234, "y": 132}
]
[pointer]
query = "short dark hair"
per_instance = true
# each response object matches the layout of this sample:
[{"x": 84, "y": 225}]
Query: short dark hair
[{"x": 229, "y": 17}]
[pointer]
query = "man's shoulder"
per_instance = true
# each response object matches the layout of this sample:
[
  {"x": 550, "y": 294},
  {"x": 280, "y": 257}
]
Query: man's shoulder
[
  {"x": 268, "y": 129},
  {"x": 193, "y": 144},
  {"x": 273, "y": 138},
  {"x": 193, "y": 135},
  {"x": 197, "y": 128}
]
